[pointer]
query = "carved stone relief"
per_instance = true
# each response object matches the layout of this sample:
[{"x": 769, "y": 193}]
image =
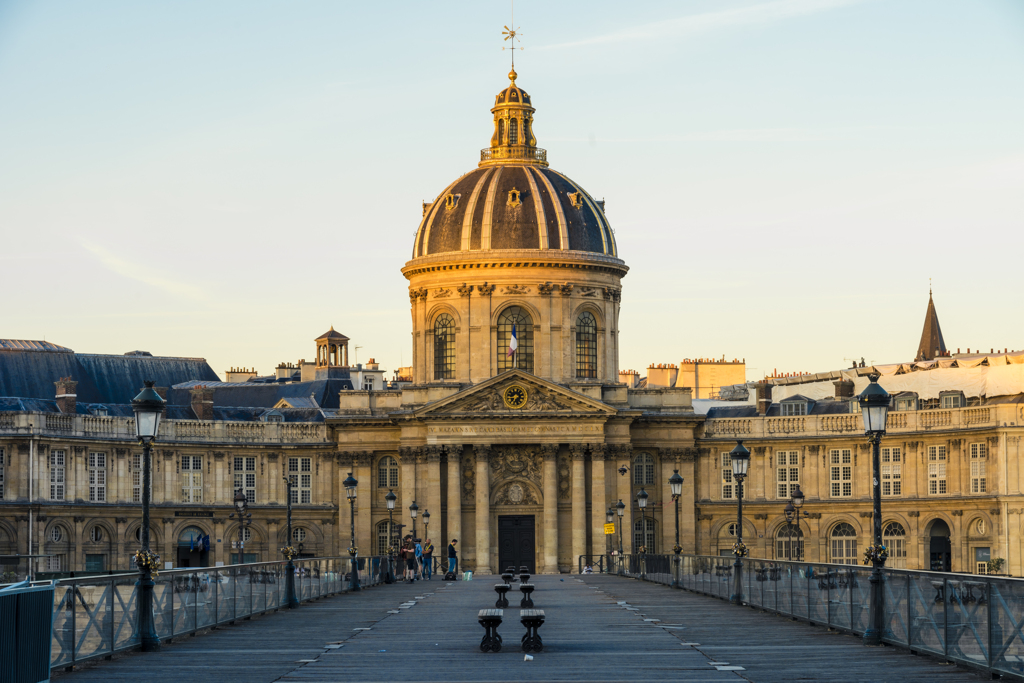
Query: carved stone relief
[
  {"x": 516, "y": 493},
  {"x": 564, "y": 484},
  {"x": 516, "y": 461}
]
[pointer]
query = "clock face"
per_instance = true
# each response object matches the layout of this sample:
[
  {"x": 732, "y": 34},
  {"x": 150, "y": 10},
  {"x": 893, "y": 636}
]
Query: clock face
[{"x": 514, "y": 396}]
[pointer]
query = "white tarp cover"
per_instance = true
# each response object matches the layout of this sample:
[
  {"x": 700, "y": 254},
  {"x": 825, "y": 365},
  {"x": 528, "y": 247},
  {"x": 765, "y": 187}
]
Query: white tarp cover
[{"x": 1004, "y": 375}]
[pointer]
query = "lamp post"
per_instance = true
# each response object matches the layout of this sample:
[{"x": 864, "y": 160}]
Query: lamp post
[
  {"x": 350, "y": 489},
  {"x": 148, "y": 407},
  {"x": 390, "y": 499},
  {"x": 426, "y": 535},
  {"x": 675, "y": 483},
  {"x": 795, "y": 503},
  {"x": 740, "y": 458},
  {"x": 874, "y": 406},
  {"x": 413, "y": 509},
  {"x": 620, "y": 510},
  {"x": 641, "y": 500},
  {"x": 289, "y": 581},
  {"x": 244, "y": 519},
  {"x": 609, "y": 518}
]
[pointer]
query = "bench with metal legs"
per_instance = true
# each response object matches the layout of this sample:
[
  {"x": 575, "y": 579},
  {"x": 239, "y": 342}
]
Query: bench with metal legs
[
  {"x": 502, "y": 589},
  {"x": 532, "y": 620},
  {"x": 527, "y": 590},
  {"x": 490, "y": 619}
]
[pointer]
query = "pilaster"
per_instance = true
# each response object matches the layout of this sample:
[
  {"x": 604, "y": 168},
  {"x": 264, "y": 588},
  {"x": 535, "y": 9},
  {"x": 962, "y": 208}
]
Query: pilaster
[
  {"x": 483, "y": 510},
  {"x": 550, "y": 558},
  {"x": 579, "y": 501}
]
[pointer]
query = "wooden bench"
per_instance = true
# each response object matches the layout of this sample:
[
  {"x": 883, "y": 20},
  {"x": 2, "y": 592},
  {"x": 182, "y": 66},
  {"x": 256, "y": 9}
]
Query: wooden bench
[
  {"x": 490, "y": 619},
  {"x": 532, "y": 620},
  {"x": 527, "y": 601},
  {"x": 502, "y": 589}
]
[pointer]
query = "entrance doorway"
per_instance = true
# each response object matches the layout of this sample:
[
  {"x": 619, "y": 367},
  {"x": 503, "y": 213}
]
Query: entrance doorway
[
  {"x": 939, "y": 547},
  {"x": 516, "y": 542}
]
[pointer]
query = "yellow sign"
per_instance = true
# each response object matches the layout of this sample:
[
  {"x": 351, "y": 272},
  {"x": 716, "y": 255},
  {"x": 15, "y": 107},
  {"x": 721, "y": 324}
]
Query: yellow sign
[{"x": 609, "y": 529}]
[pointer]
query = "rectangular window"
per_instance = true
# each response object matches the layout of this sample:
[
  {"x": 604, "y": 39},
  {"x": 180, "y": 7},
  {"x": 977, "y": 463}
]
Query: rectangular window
[
  {"x": 981, "y": 558},
  {"x": 727, "y": 488},
  {"x": 936, "y": 470},
  {"x": 979, "y": 454},
  {"x": 787, "y": 472},
  {"x": 57, "y": 475},
  {"x": 300, "y": 470},
  {"x": 2, "y": 470},
  {"x": 97, "y": 477},
  {"x": 841, "y": 472},
  {"x": 950, "y": 400},
  {"x": 368, "y": 383},
  {"x": 790, "y": 409},
  {"x": 892, "y": 471},
  {"x": 136, "y": 471},
  {"x": 245, "y": 477},
  {"x": 191, "y": 479},
  {"x": 53, "y": 563}
]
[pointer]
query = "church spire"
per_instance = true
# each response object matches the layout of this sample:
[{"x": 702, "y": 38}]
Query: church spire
[{"x": 932, "y": 345}]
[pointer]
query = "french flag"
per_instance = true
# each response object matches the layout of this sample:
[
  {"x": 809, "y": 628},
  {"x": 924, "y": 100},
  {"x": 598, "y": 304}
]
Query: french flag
[{"x": 514, "y": 343}]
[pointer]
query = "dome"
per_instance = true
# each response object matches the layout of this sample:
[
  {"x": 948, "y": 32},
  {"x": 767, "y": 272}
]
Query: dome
[
  {"x": 513, "y": 200},
  {"x": 520, "y": 206}
]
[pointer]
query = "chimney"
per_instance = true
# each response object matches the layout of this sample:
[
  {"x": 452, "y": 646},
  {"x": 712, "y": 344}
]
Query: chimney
[
  {"x": 844, "y": 388},
  {"x": 202, "y": 402},
  {"x": 764, "y": 397},
  {"x": 161, "y": 392},
  {"x": 67, "y": 399}
]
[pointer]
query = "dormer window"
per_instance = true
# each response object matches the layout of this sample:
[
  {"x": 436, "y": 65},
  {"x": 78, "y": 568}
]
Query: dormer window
[
  {"x": 906, "y": 401},
  {"x": 272, "y": 416},
  {"x": 794, "y": 406},
  {"x": 513, "y": 198},
  {"x": 951, "y": 399}
]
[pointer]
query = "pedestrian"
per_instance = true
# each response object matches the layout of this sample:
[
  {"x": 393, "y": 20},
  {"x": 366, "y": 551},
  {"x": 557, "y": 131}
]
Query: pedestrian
[
  {"x": 419, "y": 558},
  {"x": 453, "y": 557},
  {"x": 409, "y": 555},
  {"x": 428, "y": 559}
]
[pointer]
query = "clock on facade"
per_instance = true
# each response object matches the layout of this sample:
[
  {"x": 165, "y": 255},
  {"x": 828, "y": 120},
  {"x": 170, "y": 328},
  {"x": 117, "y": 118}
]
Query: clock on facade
[{"x": 514, "y": 396}]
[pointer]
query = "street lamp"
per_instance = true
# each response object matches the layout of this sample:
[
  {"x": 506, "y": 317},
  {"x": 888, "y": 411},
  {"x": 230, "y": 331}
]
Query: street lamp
[
  {"x": 289, "y": 581},
  {"x": 413, "y": 509},
  {"x": 350, "y": 489},
  {"x": 426, "y": 535},
  {"x": 874, "y": 407},
  {"x": 675, "y": 483},
  {"x": 620, "y": 510},
  {"x": 390, "y": 500},
  {"x": 244, "y": 519},
  {"x": 641, "y": 500},
  {"x": 740, "y": 458},
  {"x": 149, "y": 408},
  {"x": 609, "y": 518},
  {"x": 793, "y": 512}
]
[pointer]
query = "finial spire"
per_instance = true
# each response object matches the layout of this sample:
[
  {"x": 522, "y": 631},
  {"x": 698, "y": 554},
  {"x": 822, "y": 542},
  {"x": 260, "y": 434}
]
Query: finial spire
[{"x": 512, "y": 33}]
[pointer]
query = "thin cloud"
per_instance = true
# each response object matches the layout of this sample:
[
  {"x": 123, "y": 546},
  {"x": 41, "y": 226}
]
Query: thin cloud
[
  {"x": 141, "y": 274},
  {"x": 710, "y": 21},
  {"x": 752, "y": 135}
]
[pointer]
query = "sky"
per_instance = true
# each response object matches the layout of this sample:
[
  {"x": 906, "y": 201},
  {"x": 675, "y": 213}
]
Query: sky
[{"x": 230, "y": 179}]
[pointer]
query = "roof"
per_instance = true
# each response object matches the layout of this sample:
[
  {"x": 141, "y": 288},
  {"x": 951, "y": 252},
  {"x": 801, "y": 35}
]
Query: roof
[
  {"x": 932, "y": 344},
  {"x": 31, "y": 345},
  {"x": 823, "y": 407},
  {"x": 332, "y": 334},
  {"x": 324, "y": 392},
  {"x": 101, "y": 378}
]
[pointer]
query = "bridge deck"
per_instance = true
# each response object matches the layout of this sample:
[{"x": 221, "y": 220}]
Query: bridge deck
[{"x": 588, "y": 636}]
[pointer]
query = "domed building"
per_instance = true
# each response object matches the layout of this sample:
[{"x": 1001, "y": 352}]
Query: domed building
[{"x": 515, "y": 244}]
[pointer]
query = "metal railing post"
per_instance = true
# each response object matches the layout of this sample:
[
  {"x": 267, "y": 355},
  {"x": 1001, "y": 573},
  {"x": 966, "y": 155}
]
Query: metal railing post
[
  {"x": 74, "y": 625},
  {"x": 111, "y": 608},
  {"x": 945, "y": 617}
]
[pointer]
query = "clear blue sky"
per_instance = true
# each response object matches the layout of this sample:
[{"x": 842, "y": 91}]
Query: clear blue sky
[{"x": 230, "y": 179}]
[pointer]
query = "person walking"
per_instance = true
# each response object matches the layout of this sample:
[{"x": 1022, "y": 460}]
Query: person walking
[
  {"x": 453, "y": 557},
  {"x": 428, "y": 559},
  {"x": 419, "y": 558},
  {"x": 409, "y": 555}
]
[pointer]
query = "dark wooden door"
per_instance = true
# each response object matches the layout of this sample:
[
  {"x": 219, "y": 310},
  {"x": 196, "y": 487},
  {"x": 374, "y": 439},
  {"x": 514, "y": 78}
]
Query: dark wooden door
[{"x": 516, "y": 542}]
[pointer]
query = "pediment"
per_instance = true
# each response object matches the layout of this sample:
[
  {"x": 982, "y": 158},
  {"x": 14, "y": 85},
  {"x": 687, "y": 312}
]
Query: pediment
[{"x": 542, "y": 398}]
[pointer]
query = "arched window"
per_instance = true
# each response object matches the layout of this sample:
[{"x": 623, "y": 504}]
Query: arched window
[
  {"x": 501, "y": 131},
  {"x": 515, "y": 317},
  {"x": 444, "y": 347},
  {"x": 96, "y": 534},
  {"x": 586, "y": 346},
  {"x": 789, "y": 543},
  {"x": 387, "y": 473},
  {"x": 640, "y": 537},
  {"x": 382, "y": 538},
  {"x": 191, "y": 535},
  {"x": 643, "y": 470},
  {"x": 843, "y": 541},
  {"x": 56, "y": 534},
  {"x": 526, "y": 132},
  {"x": 513, "y": 132},
  {"x": 894, "y": 537}
]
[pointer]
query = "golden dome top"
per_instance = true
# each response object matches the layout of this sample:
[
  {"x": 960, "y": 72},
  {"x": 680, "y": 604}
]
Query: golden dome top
[{"x": 512, "y": 75}]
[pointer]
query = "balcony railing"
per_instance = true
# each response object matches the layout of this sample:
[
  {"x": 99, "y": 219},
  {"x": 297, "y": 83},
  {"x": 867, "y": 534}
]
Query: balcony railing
[
  {"x": 975, "y": 620},
  {"x": 123, "y": 429},
  {"x": 534, "y": 155},
  {"x": 835, "y": 425}
]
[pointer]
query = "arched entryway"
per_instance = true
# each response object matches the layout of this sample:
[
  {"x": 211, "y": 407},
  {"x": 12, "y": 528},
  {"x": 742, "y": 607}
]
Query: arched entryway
[{"x": 940, "y": 558}]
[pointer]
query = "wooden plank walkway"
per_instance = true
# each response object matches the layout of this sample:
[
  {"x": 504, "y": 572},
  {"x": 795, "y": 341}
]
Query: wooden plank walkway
[{"x": 598, "y": 628}]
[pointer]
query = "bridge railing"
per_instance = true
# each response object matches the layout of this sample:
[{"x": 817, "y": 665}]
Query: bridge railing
[
  {"x": 97, "y": 616},
  {"x": 973, "y": 619}
]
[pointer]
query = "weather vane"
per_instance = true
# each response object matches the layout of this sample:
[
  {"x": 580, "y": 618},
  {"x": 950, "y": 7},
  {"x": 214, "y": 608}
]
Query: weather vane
[{"x": 512, "y": 33}]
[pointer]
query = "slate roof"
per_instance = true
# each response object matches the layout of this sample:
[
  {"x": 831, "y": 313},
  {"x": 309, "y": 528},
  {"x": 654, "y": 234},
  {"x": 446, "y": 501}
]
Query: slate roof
[
  {"x": 30, "y": 372},
  {"x": 819, "y": 408},
  {"x": 259, "y": 395},
  {"x": 932, "y": 344}
]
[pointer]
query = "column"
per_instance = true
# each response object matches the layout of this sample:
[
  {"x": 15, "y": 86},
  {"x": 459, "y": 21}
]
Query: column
[
  {"x": 407, "y": 489},
  {"x": 434, "y": 497},
  {"x": 598, "y": 500},
  {"x": 364, "y": 504},
  {"x": 275, "y": 480},
  {"x": 483, "y": 510},
  {"x": 454, "y": 521},
  {"x": 223, "y": 478},
  {"x": 550, "y": 559},
  {"x": 687, "y": 508},
  {"x": 579, "y": 503},
  {"x": 273, "y": 547}
]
